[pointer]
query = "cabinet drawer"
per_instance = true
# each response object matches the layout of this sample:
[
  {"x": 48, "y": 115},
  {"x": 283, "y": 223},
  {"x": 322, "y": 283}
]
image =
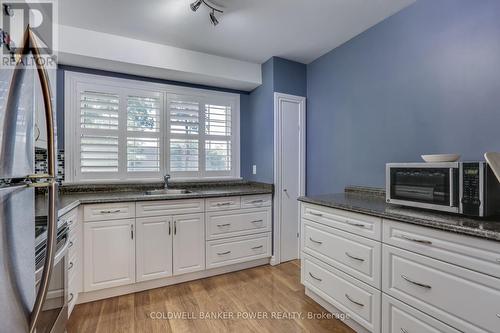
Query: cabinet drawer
[
  {"x": 347, "y": 294},
  {"x": 70, "y": 219},
  {"x": 226, "y": 203},
  {"x": 253, "y": 201},
  {"x": 398, "y": 317},
  {"x": 464, "y": 299},
  {"x": 238, "y": 249},
  {"x": 170, "y": 207},
  {"x": 237, "y": 222},
  {"x": 111, "y": 211},
  {"x": 363, "y": 225},
  {"x": 470, "y": 252},
  {"x": 355, "y": 255}
]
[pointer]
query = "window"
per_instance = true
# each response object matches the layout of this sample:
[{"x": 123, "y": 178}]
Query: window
[{"x": 138, "y": 130}]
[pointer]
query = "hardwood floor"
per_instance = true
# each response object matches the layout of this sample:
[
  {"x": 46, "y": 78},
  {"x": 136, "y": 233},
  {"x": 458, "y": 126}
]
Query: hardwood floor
[{"x": 264, "y": 291}]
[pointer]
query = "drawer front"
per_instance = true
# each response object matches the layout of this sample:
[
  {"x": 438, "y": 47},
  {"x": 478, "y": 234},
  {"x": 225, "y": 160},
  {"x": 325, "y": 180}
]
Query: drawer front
[
  {"x": 226, "y": 203},
  {"x": 71, "y": 219},
  {"x": 355, "y": 255},
  {"x": 238, "y": 249},
  {"x": 347, "y": 294},
  {"x": 461, "y": 298},
  {"x": 170, "y": 207},
  {"x": 363, "y": 225},
  {"x": 255, "y": 201},
  {"x": 237, "y": 222},
  {"x": 398, "y": 317},
  {"x": 111, "y": 211},
  {"x": 470, "y": 252}
]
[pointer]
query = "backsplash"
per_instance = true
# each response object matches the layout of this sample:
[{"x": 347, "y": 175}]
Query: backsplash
[{"x": 41, "y": 163}]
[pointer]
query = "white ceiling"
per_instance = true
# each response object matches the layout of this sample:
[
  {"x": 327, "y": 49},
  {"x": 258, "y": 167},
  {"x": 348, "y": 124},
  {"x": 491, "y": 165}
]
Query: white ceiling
[{"x": 249, "y": 30}]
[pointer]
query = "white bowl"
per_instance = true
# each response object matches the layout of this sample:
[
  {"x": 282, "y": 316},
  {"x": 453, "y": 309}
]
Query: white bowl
[{"x": 440, "y": 158}]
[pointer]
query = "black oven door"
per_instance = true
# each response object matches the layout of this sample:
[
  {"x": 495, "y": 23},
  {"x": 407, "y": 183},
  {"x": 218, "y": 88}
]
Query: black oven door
[
  {"x": 54, "y": 313},
  {"x": 425, "y": 187}
]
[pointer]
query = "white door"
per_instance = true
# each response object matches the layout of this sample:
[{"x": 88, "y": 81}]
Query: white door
[
  {"x": 154, "y": 247},
  {"x": 289, "y": 172},
  {"x": 109, "y": 254},
  {"x": 189, "y": 243}
]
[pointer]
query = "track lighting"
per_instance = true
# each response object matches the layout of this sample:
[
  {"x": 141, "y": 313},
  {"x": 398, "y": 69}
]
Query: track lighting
[
  {"x": 195, "y": 5},
  {"x": 213, "y": 18}
]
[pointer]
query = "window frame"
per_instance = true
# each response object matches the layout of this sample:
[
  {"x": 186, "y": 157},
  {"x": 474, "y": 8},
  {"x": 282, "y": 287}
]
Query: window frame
[{"x": 75, "y": 81}]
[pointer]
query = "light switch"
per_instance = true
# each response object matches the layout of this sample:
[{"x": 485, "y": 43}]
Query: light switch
[{"x": 254, "y": 169}]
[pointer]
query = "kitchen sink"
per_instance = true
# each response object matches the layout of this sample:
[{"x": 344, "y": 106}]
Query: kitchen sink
[{"x": 168, "y": 192}]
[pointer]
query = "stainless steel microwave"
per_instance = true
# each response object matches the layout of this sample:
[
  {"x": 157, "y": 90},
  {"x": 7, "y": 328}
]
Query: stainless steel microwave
[{"x": 468, "y": 188}]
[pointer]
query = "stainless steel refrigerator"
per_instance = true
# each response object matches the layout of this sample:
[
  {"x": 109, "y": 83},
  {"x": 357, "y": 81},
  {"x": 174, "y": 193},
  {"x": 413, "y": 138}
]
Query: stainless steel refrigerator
[{"x": 21, "y": 303}]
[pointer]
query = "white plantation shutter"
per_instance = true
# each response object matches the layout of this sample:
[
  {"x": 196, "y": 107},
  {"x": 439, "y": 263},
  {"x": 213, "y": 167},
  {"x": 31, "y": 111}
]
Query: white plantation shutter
[
  {"x": 143, "y": 134},
  {"x": 99, "y": 112},
  {"x": 218, "y": 138},
  {"x": 120, "y": 129},
  {"x": 184, "y": 132}
]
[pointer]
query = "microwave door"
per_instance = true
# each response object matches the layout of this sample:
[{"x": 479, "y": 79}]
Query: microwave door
[{"x": 17, "y": 257}]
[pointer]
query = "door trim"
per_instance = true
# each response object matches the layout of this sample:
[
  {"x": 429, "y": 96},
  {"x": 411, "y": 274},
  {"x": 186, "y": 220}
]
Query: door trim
[{"x": 279, "y": 98}]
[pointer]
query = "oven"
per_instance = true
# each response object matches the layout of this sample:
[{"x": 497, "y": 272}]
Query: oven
[{"x": 54, "y": 314}]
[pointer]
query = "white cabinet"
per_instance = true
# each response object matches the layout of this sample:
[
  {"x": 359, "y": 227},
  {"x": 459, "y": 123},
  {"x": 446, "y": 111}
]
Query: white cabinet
[
  {"x": 154, "y": 248},
  {"x": 189, "y": 243},
  {"x": 109, "y": 258}
]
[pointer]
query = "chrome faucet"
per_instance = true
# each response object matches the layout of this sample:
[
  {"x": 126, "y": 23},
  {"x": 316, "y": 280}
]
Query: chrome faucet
[{"x": 166, "y": 178}]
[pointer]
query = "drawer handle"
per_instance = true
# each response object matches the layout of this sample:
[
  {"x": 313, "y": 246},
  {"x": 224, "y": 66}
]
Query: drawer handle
[
  {"x": 110, "y": 211},
  {"x": 70, "y": 298},
  {"x": 257, "y": 201},
  {"x": 498, "y": 315},
  {"x": 353, "y": 301},
  {"x": 224, "y": 253},
  {"x": 354, "y": 224},
  {"x": 421, "y": 241},
  {"x": 258, "y": 221},
  {"x": 403, "y": 330},
  {"x": 315, "y": 278},
  {"x": 316, "y": 214},
  {"x": 426, "y": 286},
  {"x": 257, "y": 247},
  {"x": 223, "y": 204},
  {"x": 70, "y": 244},
  {"x": 70, "y": 266},
  {"x": 223, "y": 225},
  {"x": 315, "y": 241},
  {"x": 353, "y": 257}
]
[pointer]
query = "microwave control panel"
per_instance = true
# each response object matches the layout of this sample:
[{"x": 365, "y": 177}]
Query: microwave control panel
[{"x": 471, "y": 196}]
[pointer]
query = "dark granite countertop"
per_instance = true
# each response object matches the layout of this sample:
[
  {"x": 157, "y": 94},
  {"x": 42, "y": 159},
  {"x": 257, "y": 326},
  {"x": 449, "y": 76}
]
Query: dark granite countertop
[
  {"x": 374, "y": 204},
  {"x": 73, "y": 196}
]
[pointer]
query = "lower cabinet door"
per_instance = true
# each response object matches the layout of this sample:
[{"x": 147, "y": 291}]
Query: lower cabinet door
[
  {"x": 154, "y": 248},
  {"x": 109, "y": 254},
  {"x": 397, "y": 317},
  {"x": 188, "y": 243}
]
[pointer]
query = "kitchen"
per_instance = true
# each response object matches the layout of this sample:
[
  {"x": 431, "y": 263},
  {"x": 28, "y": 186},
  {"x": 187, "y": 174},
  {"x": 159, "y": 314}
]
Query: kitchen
[{"x": 216, "y": 166}]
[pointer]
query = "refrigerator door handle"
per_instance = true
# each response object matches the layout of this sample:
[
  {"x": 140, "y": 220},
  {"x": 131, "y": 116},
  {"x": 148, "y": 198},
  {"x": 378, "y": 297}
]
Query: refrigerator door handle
[{"x": 30, "y": 45}]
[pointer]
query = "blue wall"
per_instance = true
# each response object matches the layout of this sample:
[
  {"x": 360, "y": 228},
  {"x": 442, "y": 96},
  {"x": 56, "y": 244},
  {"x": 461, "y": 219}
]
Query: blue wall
[
  {"x": 426, "y": 80},
  {"x": 257, "y": 125}
]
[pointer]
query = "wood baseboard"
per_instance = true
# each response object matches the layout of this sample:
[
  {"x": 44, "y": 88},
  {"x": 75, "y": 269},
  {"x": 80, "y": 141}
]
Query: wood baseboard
[{"x": 85, "y": 297}]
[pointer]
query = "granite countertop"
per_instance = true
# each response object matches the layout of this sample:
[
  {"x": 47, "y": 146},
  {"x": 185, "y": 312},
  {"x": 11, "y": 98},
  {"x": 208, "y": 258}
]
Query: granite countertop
[
  {"x": 72, "y": 196},
  {"x": 374, "y": 204}
]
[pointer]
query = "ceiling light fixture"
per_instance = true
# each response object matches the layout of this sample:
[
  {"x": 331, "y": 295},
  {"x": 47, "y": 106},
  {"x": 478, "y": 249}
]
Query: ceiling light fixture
[{"x": 195, "y": 5}]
